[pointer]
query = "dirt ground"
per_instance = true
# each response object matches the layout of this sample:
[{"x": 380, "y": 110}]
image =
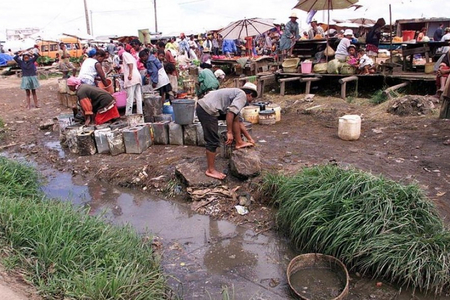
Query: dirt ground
[{"x": 404, "y": 148}]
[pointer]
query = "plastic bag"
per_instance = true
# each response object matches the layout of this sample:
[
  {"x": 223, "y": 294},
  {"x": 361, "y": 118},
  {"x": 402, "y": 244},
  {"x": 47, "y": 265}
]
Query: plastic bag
[
  {"x": 328, "y": 51},
  {"x": 333, "y": 66}
]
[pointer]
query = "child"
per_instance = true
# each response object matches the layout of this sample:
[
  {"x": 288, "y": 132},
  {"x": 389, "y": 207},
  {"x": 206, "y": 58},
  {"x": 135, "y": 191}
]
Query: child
[
  {"x": 352, "y": 58},
  {"x": 29, "y": 79},
  {"x": 365, "y": 63}
]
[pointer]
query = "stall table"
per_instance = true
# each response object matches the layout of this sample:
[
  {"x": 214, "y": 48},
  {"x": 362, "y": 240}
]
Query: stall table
[
  {"x": 428, "y": 49},
  {"x": 308, "y": 48}
]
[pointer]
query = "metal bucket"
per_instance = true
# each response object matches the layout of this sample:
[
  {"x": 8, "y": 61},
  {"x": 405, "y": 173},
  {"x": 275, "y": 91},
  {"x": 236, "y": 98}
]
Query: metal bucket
[{"x": 183, "y": 110}]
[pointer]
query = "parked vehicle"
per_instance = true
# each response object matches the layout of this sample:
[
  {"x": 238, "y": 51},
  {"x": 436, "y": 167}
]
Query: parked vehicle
[{"x": 51, "y": 48}]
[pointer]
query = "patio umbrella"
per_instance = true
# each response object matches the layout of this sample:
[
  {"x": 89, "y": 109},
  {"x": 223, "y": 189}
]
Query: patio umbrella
[
  {"x": 308, "y": 5},
  {"x": 246, "y": 27}
]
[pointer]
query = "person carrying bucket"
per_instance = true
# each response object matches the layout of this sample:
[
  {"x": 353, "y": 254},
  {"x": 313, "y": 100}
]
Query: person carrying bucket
[{"x": 224, "y": 104}]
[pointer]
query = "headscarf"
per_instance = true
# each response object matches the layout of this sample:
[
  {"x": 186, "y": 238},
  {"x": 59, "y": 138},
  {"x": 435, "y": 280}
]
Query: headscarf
[
  {"x": 92, "y": 52},
  {"x": 128, "y": 47},
  {"x": 73, "y": 81}
]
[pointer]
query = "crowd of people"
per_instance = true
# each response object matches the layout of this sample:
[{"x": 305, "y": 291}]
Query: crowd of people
[{"x": 157, "y": 66}]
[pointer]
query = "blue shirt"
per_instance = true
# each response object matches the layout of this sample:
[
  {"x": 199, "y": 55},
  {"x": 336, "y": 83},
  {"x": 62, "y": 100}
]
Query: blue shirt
[
  {"x": 28, "y": 67},
  {"x": 183, "y": 45},
  {"x": 229, "y": 46},
  {"x": 153, "y": 65}
]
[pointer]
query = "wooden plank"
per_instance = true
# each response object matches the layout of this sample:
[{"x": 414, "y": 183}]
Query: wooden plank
[{"x": 388, "y": 91}]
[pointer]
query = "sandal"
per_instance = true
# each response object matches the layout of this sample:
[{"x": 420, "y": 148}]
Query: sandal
[{"x": 447, "y": 142}]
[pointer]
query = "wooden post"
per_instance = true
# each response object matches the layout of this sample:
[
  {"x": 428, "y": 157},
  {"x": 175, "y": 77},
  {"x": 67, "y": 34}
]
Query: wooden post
[
  {"x": 283, "y": 81},
  {"x": 388, "y": 91},
  {"x": 308, "y": 81},
  {"x": 343, "y": 83}
]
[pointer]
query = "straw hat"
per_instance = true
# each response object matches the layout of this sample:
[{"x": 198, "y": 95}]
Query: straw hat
[
  {"x": 348, "y": 32},
  {"x": 293, "y": 15},
  {"x": 248, "y": 86}
]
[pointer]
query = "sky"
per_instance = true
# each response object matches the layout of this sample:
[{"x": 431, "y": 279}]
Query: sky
[{"x": 119, "y": 17}]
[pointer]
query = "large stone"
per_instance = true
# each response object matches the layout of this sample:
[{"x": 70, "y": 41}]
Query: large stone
[
  {"x": 161, "y": 133},
  {"x": 245, "y": 163},
  {"x": 175, "y": 134},
  {"x": 200, "y": 135},
  {"x": 190, "y": 134},
  {"x": 193, "y": 174}
]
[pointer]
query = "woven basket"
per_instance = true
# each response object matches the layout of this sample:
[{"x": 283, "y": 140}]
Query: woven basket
[
  {"x": 290, "y": 65},
  {"x": 319, "y": 261}
]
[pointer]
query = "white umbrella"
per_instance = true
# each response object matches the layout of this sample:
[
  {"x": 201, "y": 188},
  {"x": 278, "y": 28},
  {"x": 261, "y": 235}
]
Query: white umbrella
[{"x": 246, "y": 27}]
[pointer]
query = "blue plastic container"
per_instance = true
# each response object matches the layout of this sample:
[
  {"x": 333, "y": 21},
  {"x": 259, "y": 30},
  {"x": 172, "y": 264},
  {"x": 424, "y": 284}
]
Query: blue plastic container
[{"x": 168, "y": 110}]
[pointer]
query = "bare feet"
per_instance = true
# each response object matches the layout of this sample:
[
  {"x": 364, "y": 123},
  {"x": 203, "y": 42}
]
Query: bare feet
[
  {"x": 215, "y": 174},
  {"x": 244, "y": 145}
]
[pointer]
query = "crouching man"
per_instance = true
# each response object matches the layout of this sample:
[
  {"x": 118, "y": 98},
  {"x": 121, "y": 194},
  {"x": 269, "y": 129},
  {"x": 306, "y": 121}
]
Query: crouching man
[{"x": 224, "y": 104}]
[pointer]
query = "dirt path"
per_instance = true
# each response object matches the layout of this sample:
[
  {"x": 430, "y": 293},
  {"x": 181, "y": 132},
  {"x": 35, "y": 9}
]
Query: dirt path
[{"x": 408, "y": 149}]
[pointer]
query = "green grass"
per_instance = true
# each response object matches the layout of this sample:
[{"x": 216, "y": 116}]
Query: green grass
[
  {"x": 376, "y": 226},
  {"x": 18, "y": 180},
  {"x": 68, "y": 254},
  {"x": 378, "y": 97}
]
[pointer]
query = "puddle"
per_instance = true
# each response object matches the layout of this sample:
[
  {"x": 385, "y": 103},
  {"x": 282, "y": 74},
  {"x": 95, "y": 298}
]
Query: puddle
[
  {"x": 55, "y": 145},
  {"x": 202, "y": 255}
]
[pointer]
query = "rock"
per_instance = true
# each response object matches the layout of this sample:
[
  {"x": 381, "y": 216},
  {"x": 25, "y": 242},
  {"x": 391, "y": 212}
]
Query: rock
[
  {"x": 245, "y": 163},
  {"x": 46, "y": 124},
  {"x": 193, "y": 174}
]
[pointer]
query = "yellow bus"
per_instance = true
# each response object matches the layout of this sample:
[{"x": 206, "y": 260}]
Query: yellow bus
[{"x": 51, "y": 48}]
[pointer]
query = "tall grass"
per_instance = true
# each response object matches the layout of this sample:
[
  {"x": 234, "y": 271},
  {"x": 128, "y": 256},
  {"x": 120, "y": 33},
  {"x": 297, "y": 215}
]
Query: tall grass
[
  {"x": 66, "y": 253},
  {"x": 377, "y": 226},
  {"x": 17, "y": 179}
]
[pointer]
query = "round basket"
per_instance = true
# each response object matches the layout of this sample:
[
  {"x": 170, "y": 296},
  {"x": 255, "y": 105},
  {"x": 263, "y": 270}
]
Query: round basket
[{"x": 304, "y": 263}]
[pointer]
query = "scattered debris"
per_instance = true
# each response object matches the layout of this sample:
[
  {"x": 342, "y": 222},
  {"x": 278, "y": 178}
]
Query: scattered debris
[
  {"x": 242, "y": 210},
  {"x": 412, "y": 105},
  {"x": 46, "y": 124}
]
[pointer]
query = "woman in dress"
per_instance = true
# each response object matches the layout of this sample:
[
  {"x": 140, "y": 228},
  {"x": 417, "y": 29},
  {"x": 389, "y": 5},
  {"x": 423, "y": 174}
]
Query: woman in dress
[{"x": 290, "y": 36}]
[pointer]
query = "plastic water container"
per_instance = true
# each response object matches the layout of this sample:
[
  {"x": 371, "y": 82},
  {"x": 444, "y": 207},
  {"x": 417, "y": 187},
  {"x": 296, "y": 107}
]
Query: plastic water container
[
  {"x": 183, "y": 111},
  {"x": 277, "y": 109},
  {"x": 251, "y": 114},
  {"x": 168, "y": 109},
  {"x": 121, "y": 98},
  {"x": 349, "y": 128},
  {"x": 267, "y": 117}
]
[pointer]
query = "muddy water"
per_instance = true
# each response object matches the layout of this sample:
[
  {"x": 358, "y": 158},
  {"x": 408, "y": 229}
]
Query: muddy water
[
  {"x": 316, "y": 284},
  {"x": 202, "y": 256}
]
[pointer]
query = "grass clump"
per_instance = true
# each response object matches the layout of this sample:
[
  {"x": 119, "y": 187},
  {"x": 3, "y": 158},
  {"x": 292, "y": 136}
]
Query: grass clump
[
  {"x": 68, "y": 254},
  {"x": 374, "y": 225},
  {"x": 378, "y": 97},
  {"x": 18, "y": 179}
]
